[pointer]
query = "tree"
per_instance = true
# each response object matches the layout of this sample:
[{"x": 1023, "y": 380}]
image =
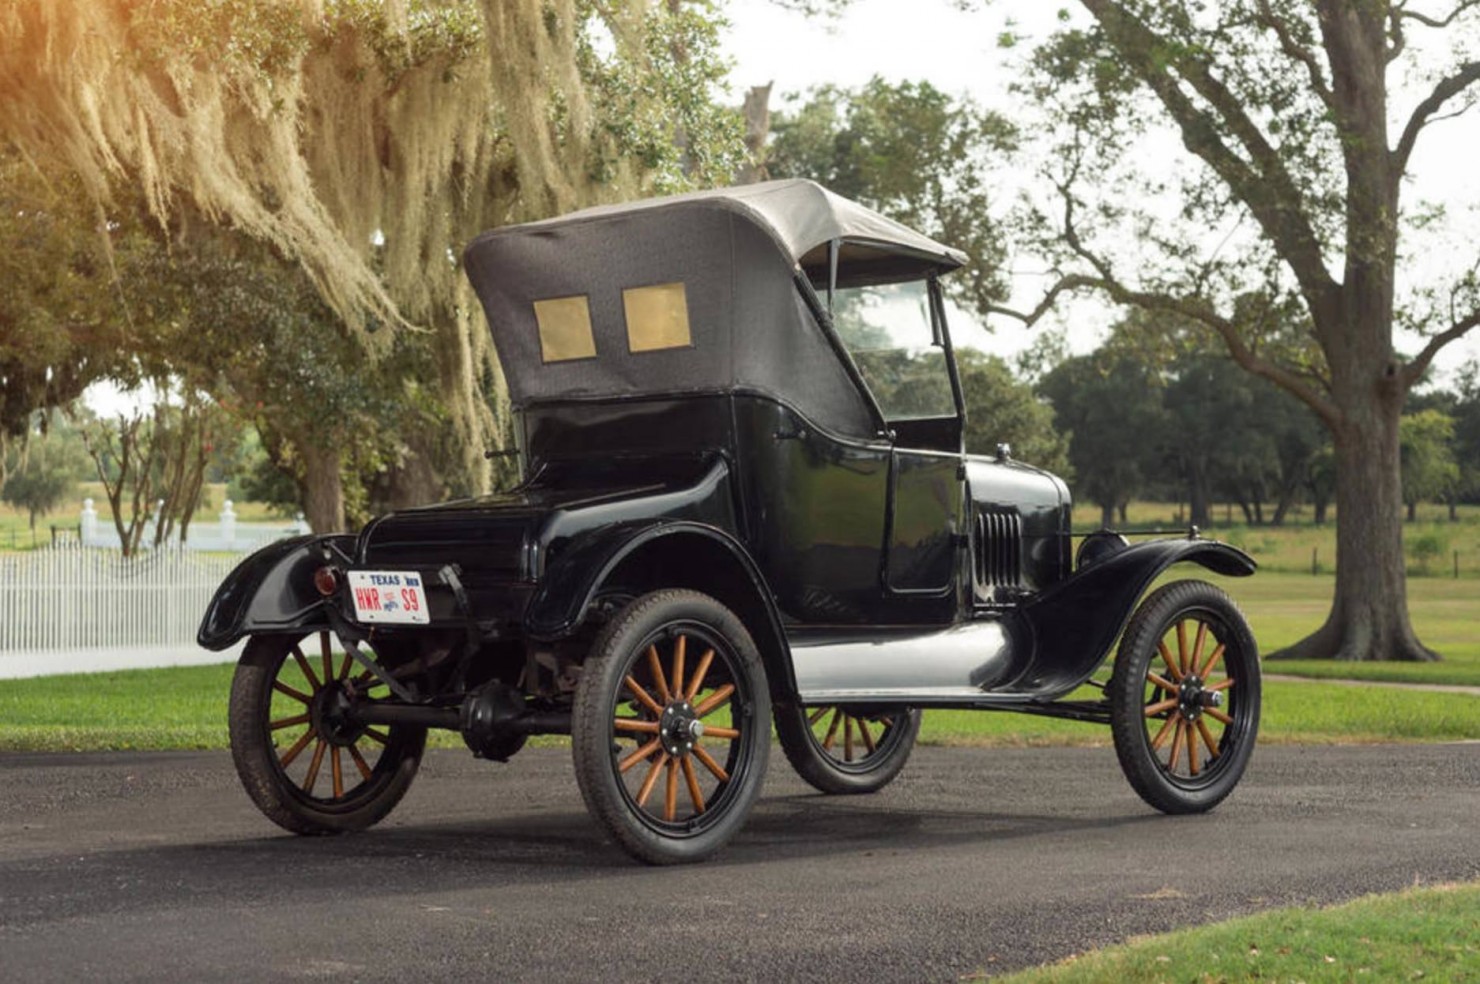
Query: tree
[
  {"x": 1429, "y": 468},
  {"x": 127, "y": 463},
  {"x": 1002, "y": 409},
  {"x": 45, "y": 476},
  {"x": 59, "y": 330},
  {"x": 1111, "y": 408},
  {"x": 366, "y": 141},
  {"x": 913, "y": 153},
  {"x": 1467, "y": 436},
  {"x": 1237, "y": 436},
  {"x": 1289, "y": 199}
]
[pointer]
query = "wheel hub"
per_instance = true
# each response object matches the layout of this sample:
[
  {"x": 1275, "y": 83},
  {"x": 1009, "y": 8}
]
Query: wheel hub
[
  {"x": 679, "y": 728},
  {"x": 332, "y": 716},
  {"x": 1193, "y": 697}
]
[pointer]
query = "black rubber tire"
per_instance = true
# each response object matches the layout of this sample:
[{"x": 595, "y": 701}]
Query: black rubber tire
[
  {"x": 266, "y": 779},
  {"x": 1167, "y": 785},
  {"x": 665, "y": 620},
  {"x": 822, "y": 769}
]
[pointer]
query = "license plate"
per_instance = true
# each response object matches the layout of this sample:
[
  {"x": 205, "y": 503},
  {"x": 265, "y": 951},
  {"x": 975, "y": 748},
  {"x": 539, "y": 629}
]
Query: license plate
[{"x": 389, "y": 596}]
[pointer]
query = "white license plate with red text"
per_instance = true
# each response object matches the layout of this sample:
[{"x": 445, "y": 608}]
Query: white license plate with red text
[{"x": 389, "y": 596}]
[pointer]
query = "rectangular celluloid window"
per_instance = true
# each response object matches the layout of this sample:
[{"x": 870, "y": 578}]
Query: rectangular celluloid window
[
  {"x": 565, "y": 329},
  {"x": 657, "y": 317}
]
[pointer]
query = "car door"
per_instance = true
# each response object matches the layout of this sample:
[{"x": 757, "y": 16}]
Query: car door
[{"x": 894, "y": 336}]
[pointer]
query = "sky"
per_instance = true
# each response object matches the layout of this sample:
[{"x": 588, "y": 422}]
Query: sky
[{"x": 957, "y": 52}]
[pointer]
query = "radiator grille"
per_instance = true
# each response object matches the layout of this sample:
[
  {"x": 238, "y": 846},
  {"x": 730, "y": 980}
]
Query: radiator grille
[{"x": 999, "y": 549}]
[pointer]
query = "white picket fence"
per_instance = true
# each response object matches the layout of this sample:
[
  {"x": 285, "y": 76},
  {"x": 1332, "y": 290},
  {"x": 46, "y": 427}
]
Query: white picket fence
[{"x": 71, "y": 609}]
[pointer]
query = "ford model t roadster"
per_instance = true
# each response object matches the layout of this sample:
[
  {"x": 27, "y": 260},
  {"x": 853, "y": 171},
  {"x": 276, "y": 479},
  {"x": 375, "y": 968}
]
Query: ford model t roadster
[{"x": 744, "y": 500}]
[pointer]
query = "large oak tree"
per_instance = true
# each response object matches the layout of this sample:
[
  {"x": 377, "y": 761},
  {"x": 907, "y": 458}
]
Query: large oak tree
[
  {"x": 1284, "y": 205},
  {"x": 367, "y": 141}
]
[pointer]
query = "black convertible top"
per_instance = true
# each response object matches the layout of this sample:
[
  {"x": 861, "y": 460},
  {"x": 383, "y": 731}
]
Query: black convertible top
[{"x": 690, "y": 293}]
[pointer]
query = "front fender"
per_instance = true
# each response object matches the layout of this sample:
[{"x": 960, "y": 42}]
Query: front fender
[
  {"x": 271, "y": 591},
  {"x": 1075, "y": 622}
]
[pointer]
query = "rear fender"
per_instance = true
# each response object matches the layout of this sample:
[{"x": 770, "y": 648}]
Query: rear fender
[
  {"x": 1075, "y": 622},
  {"x": 647, "y": 556},
  {"x": 272, "y": 591}
]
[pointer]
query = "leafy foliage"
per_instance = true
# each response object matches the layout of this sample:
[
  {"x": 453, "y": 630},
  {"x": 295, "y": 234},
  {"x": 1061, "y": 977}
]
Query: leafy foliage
[
  {"x": 364, "y": 142},
  {"x": 44, "y": 474},
  {"x": 913, "y": 153},
  {"x": 1003, "y": 409},
  {"x": 1111, "y": 409},
  {"x": 1429, "y": 467}
]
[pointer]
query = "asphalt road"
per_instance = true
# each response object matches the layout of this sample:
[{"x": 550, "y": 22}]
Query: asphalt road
[{"x": 155, "y": 867}]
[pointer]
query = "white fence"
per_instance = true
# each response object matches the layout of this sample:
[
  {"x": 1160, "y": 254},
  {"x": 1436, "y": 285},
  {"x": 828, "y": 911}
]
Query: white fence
[{"x": 72, "y": 609}]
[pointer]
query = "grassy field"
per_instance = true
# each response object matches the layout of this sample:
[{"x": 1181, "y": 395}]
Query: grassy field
[
  {"x": 1422, "y": 934},
  {"x": 1431, "y": 541}
]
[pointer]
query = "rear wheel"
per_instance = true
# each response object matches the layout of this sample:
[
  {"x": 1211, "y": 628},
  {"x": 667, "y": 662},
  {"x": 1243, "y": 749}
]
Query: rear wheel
[
  {"x": 303, "y": 761},
  {"x": 671, "y": 732},
  {"x": 844, "y": 749},
  {"x": 1184, "y": 697}
]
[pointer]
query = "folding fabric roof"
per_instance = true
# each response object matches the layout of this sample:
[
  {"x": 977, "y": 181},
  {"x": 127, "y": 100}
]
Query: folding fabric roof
[{"x": 690, "y": 293}]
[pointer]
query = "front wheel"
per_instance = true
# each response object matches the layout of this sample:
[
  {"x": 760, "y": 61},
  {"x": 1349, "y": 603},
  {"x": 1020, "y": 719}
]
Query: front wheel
[
  {"x": 845, "y": 749},
  {"x": 671, "y": 727},
  {"x": 309, "y": 768},
  {"x": 1184, "y": 697}
]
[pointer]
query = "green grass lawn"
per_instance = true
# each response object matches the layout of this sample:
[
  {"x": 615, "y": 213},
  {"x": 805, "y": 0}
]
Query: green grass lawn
[{"x": 1430, "y": 934}]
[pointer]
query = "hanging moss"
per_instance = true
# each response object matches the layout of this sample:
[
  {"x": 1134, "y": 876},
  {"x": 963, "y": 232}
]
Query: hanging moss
[{"x": 368, "y": 139}]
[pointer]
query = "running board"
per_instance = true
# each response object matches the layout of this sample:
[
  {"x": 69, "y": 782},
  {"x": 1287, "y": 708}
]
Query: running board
[{"x": 955, "y": 665}]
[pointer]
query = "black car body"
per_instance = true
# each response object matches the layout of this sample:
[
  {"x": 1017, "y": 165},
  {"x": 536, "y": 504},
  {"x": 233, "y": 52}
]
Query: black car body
[{"x": 749, "y": 396}]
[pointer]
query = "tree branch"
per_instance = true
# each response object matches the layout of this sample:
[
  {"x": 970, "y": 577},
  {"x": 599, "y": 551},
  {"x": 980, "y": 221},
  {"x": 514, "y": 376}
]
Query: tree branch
[
  {"x": 1297, "y": 51},
  {"x": 1266, "y": 188},
  {"x": 1193, "y": 308},
  {"x": 1444, "y": 90},
  {"x": 1398, "y": 40},
  {"x": 1065, "y": 284},
  {"x": 1199, "y": 310},
  {"x": 1414, "y": 370},
  {"x": 1401, "y": 12}
]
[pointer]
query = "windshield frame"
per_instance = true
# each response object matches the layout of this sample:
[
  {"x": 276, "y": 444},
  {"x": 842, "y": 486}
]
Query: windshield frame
[{"x": 939, "y": 327}]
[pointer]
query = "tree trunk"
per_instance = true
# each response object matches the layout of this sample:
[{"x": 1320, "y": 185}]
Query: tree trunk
[
  {"x": 1369, "y": 614},
  {"x": 1413, "y": 511},
  {"x": 1107, "y": 515},
  {"x": 1282, "y": 507},
  {"x": 412, "y": 482},
  {"x": 1121, "y": 510},
  {"x": 323, "y": 488},
  {"x": 1454, "y": 510},
  {"x": 1321, "y": 505}
]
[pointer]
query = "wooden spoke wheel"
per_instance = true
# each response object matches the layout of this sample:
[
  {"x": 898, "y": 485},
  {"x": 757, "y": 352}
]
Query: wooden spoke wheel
[
  {"x": 1184, "y": 697},
  {"x": 847, "y": 749},
  {"x": 303, "y": 759},
  {"x": 671, "y": 728}
]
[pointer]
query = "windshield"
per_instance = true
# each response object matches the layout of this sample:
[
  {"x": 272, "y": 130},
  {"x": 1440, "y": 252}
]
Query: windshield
[{"x": 888, "y": 331}]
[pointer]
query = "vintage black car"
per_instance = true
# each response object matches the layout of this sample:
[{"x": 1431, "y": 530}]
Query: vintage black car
[{"x": 744, "y": 500}]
